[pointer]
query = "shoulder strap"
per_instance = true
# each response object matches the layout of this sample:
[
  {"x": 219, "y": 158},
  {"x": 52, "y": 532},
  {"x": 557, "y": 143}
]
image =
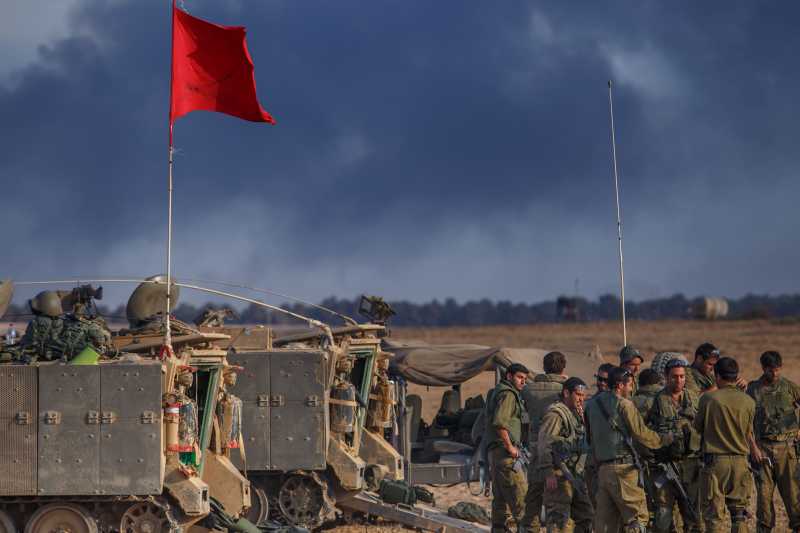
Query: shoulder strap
[{"x": 611, "y": 421}]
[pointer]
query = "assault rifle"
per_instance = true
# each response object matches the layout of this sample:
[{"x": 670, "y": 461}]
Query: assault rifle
[
  {"x": 669, "y": 475},
  {"x": 559, "y": 461},
  {"x": 523, "y": 460}
]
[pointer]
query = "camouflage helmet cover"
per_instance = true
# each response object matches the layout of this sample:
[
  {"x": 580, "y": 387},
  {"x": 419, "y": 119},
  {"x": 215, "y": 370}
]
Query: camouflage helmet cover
[
  {"x": 661, "y": 359},
  {"x": 629, "y": 353},
  {"x": 46, "y": 303}
]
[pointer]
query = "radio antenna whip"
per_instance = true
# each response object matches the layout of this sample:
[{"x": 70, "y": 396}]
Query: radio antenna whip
[{"x": 619, "y": 216}]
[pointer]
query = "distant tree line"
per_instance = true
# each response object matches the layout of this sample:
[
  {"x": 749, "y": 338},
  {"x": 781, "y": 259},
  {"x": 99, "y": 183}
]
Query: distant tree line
[{"x": 486, "y": 312}]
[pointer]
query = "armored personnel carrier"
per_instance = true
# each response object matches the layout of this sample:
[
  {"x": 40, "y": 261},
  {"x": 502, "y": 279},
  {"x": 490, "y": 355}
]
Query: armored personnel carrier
[{"x": 122, "y": 444}]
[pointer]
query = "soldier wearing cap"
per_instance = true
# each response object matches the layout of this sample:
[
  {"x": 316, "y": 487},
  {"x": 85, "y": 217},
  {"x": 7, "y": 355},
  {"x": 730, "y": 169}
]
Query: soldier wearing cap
[
  {"x": 776, "y": 432},
  {"x": 538, "y": 395},
  {"x": 700, "y": 377},
  {"x": 631, "y": 360},
  {"x": 613, "y": 425},
  {"x": 725, "y": 422},
  {"x": 674, "y": 410},
  {"x": 504, "y": 437},
  {"x": 562, "y": 439}
]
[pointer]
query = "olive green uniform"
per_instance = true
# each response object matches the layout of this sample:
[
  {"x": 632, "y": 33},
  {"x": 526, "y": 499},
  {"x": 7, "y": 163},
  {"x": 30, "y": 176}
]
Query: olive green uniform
[
  {"x": 776, "y": 431},
  {"x": 697, "y": 382},
  {"x": 538, "y": 395},
  {"x": 667, "y": 415},
  {"x": 562, "y": 432},
  {"x": 725, "y": 421},
  {"x": 505, "y": 411},
  {"x": 621, "y": 500}
]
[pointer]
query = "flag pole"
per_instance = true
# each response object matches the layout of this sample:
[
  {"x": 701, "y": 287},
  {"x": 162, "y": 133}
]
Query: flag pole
[
  {"x": 167, "y": 330},
  {"x": 619, "y": 217}
]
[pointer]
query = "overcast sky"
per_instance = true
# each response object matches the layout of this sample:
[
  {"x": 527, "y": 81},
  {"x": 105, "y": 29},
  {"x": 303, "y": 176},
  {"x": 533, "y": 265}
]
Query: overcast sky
[{"x": 423, "y": 149}]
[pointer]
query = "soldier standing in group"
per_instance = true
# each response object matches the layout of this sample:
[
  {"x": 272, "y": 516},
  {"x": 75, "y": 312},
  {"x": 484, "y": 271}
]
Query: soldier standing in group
[
  {"x": 591, "y": 469},
  {"x": 650, "y": 384},
  {"x": 700, "y": 377},
  {"x": 543, "y": 391},
  {"x": 631, "y": 360},
  {"x": 613, "y": 424},
  {"x": 725, "y": 422},
  {"x": 504, "y": 435},
  {"x": 776, "y": 432},
  {"x": 674, "y": 410},
  {"x": 561, "y": 448}
]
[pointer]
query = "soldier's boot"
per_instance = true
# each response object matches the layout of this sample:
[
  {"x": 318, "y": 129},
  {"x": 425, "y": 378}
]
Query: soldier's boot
[{"x": 739, "y": 520}]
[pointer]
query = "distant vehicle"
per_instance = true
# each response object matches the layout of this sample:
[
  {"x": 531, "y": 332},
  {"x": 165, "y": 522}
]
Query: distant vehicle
[{"x": 709, "y": 308}]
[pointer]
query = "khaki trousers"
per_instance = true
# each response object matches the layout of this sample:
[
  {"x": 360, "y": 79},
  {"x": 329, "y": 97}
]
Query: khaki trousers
[
  {"x": 567, "y": 509},
  {"x": 621, "y": 502},
  {"x": 726, "y": 484},
  {"x": 508, "y": 488},
  {"x": 783, "y": 475},
  {"x": 666, "y": 498},
  {"x": 531, "y": 522}
]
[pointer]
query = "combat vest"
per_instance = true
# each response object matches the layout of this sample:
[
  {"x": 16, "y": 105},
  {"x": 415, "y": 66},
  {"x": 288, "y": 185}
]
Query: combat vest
[
  {"x": 544, "y": 391},
  {"x": 666, "y": 417},
  {"x": 698, "y": 381},
  {"x": 776, "y": 412},
  {"x": 572, "y": 439},
  {"x": 515, "y": 424},
  {"x": 39, "y": 336},
  {"x": 607, "y": 434}
]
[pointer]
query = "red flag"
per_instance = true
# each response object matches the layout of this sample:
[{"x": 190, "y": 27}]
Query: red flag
[{"x": 211, "y": 70}]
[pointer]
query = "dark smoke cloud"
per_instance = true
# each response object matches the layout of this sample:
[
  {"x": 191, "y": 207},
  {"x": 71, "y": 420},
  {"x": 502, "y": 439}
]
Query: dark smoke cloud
[{"x": 422, "y": 150}]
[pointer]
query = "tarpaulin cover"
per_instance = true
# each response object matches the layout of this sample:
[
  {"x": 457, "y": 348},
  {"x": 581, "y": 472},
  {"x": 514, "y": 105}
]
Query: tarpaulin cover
[{"x": 450, "y": 364}]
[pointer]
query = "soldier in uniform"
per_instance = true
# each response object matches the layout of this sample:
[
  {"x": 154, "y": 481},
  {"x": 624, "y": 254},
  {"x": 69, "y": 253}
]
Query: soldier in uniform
[
  {"x": 538, "y": 396},
  {"x": 229, "y": 413},
  {"x": 631, "y": 360},
  {"x": 613, "y": 424},
  {"x": 725, "y": 422},
  {"x": 602, "y": 376},
  {"x": 650, "y": 384},
  {"x": 674, "y": 410},
  {"x": 562, "y": 437},
  {"x": 188, "y": 427},
  {"x": 700, "y": 377},
  {"x": 591, "y": 469},
  {"x": 504, "y": 437},
  {"x": 776, "y": 432},
  {"x": 43, "y": 329}
]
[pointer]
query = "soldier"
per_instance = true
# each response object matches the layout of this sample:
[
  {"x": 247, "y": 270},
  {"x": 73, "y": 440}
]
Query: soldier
[
  {"x": 188, "y": 428},
  {"x": 562, "y": 439},
  {"x": 650, "y": 384},
  {"x": 538, "y": 396},
  {"x": 43, "y": 329},
  {"x": 631, "y": 360},
  {"x": 504, "y": 436},
  {"x": 602, "y": 376},
  {"x": 776, "y": 432},
  {"x": 700, "y": 377},
  {"x": 673, "y": 410},
  {"x": 725, "y": 422},
  {"x": 613, "y": 424},
  {"x": 591, "y": 469}
]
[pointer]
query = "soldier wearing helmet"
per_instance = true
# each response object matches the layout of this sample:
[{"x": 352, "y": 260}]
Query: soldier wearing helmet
[
  {"x": 45, "y": 327},
  {"x": 631, "y": 360}
]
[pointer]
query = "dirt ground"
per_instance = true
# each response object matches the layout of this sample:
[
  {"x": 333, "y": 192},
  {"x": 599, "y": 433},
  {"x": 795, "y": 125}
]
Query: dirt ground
[{"x": 744, "y": 340}]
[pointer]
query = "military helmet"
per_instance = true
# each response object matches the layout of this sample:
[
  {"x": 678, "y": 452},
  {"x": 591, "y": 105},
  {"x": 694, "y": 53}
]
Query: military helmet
[
  {"x": 661, "y": 360},
  {"x": 629, "y": 353},
  {"x": 46, "y": 303}
]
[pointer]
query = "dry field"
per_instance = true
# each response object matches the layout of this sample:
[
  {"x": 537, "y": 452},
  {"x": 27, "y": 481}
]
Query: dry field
[{"x": 744, "y": 340}]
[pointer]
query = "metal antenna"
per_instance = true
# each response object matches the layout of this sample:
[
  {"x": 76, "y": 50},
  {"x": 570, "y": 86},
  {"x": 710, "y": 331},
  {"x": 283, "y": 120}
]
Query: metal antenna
[{"x": 619, "y": 216}]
